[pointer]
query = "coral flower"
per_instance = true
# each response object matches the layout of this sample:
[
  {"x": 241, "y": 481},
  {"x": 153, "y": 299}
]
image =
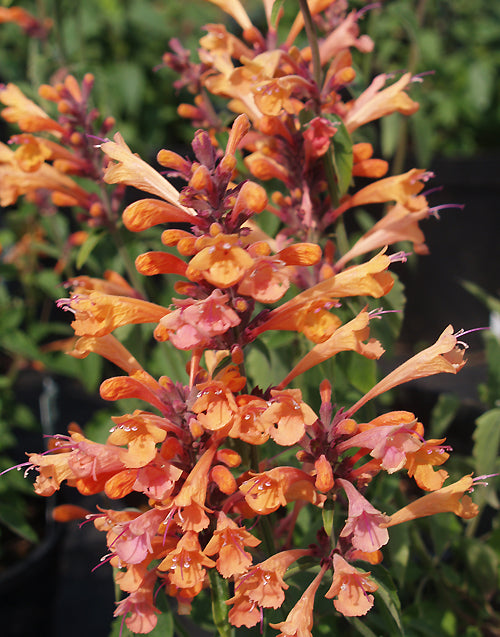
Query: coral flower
[
  {"x": 445, "y": 356},
  {"x": 97, "y": 314},
  {"x": 195, "y": 323},
  {"x": 347, "y": 337},
  {"x": 299, "y": 621},
  {"x": 140, "y": 606},
  {"x": 266, "y": 492},
  {"x": 350, "y": 586},
  {"x": 451, "y": 498},
  {"x": 365, "y": 522},
  {"x": 222, "y": 263},
  {"x": 389, "y": 444},
  {"x": 228, "y": 541},
  {"x": 375, "y": 103},
  {"x": 187, "y": 563},
  {"x": 287, "y": 416},
  {"x": 262, "y": 585},
  {"x": 190, "y": 501}
]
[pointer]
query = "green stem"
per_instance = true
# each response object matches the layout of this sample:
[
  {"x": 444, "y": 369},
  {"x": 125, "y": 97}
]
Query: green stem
[
  {"x": 313, "y": 42},
  {"x": 219, "y": 592}
]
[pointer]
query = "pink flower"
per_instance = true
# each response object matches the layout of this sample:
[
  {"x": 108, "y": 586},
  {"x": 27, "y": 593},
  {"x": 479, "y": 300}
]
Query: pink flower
[
  {"x": 350, "y": 586},
  {"x": 364, "y": 522},
  {"x": 387, "y": 443},
  {"x": 195, "y": 323},
  {"x": 140, "y": 606}
]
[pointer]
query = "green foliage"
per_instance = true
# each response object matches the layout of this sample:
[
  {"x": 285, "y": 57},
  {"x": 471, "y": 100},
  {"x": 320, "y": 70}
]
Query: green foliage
[{"x": 457, "y": 41}]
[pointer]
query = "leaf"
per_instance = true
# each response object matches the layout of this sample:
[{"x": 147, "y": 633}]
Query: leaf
[
  {"x": 13, "y": 517},
  {"x": 342, "y": 157},
  {"x": 443, "y": 414},
  {"x": 361, "y": 627},
  {"x": 275, "y": 11},
  {"x": 486, "y": 438},
  {"x": 482, "y": 564},
  {"x": 388, "y": 595},
  {"x": 87, "y": 247},
  {"x": 327, "y": 513}
]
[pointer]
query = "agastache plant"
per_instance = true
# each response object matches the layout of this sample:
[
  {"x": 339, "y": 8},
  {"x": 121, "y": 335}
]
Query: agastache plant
[{"x": 219, "y": 500}]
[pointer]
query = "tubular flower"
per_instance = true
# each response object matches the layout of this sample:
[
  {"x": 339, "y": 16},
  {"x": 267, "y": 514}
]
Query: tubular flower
[
  {"x": 377, "y": 102},
  {"x": 195, "y": 324},
  {"x": 261, "y": 586},
  {"x": 228, "y": 542},
  {"x": 299, "y": 621},
  {"x": 451, "y": 498},
  {"x": 222, "y": 263},
  {"x": 266, "y": 492},
  {"x": 445, "y": 356},
  {"x": 98, "y": 314},
  {"x": 364, "y": 523},
  {"x": 186, "y": 564},
  {"x": 175, "y": 460},
  {"x": 350, "y": 586},
  {"x": 143, "y": 614}
]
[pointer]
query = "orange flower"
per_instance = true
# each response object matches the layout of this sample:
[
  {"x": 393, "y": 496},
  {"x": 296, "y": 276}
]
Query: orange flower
[
  {"x": 262, "y": 586},
  {"x": 145, "y": 213},
  {"x": 370, "y": 279},
  {"x": 128, "y": 168},
  {"x": 266, "y": 492},
  {"x": 420, "y": 464},
  {"x": 190, "y": 501},
  {"x": 350, "y": 586},
  {"x": 347, "y": 337},
  {"x": 15, "y": 182},
  {"x": 229, "y": 541},
  {"x": 186, "y": 563},
  {"x": 215, "y": 405},
  {"x": 98, "y": 314},
  {"x": 447, "y": 499},
  {"x": 299, "y": 621},
  {"x": 27, "y": 22},
  {"x": 287, "y": 416},
  {"x": 248, "y": 425},
  {"x": 140, "y": 606},
  {"x": 269, "y": 278},
  {"x": 445, "y": 356},
  {"x": 221, "y": 262},
  {"x": 25, "y": 113},
  {"x": 108, "y": 347},
  {"x": 375, "y": 103},
  {"x": 398, "y": 224}
]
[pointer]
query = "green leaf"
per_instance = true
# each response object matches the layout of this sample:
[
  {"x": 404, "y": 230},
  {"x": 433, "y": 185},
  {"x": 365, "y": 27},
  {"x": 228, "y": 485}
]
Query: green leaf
[
  {"x": 443, "y": 414},
  {"x": 486, "y": 438},
  {"x": 342, "y": 157},
  {"x": 387, "y": 594},
  {"x": 12, "y": 515},
  {"x": 275, "y": 10},
  {"x": 87, "y": 247},
  {"x": 361, "y": 627},
  {"x": 482, "y": 564},
  {"x": 327, "y": 513}
]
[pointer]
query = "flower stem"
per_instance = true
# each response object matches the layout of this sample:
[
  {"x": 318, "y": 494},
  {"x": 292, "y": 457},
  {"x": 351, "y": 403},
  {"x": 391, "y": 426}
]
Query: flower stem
[{"x": 313, "y": 42}]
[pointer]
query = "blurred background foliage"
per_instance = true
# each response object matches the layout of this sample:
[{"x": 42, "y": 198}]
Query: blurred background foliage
[{"x": 122, "y": 41}]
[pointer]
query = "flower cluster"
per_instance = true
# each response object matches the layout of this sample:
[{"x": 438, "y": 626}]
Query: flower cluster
[{"x": 205, "y": 457}]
